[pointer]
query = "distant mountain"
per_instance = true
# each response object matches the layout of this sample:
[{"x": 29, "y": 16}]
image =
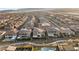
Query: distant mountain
[
  {"x": 31, "y": 9},
  {"x": 4, "y": 11},
  {"x": 24, "y": 10},
  {"x": 40, "y": 9}
]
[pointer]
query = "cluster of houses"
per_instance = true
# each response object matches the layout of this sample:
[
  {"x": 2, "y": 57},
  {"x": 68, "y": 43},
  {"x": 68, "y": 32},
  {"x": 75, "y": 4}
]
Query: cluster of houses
[
  {"x": 36, "y": 28},
  {"x": 29, "y": 33},
  {"x": 18, "y": 34}
]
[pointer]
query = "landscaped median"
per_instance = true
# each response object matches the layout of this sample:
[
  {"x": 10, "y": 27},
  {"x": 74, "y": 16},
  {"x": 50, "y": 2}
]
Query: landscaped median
[{"x": 23, "y": 39}]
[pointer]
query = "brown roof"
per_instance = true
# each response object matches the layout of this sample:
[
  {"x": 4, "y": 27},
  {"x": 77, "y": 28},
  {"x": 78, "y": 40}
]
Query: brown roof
[
  {"x": 10, "y": 33},
  {"x": 2, "y": 32},
  {"x": 24, "y": 32}
]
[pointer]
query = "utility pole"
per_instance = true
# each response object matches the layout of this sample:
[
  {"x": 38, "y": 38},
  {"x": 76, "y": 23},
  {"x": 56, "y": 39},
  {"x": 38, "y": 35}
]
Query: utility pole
[{"x": 46, "y": 36}]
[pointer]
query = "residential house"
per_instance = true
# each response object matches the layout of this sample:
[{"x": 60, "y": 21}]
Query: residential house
[
  {"x": 10, "y": 36},
  {"x": 52, "y": 32},
  {"x": 24, "y": 33},
  {"x": 38, "y": 33},
  {"x": 67, "y": 31}
]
